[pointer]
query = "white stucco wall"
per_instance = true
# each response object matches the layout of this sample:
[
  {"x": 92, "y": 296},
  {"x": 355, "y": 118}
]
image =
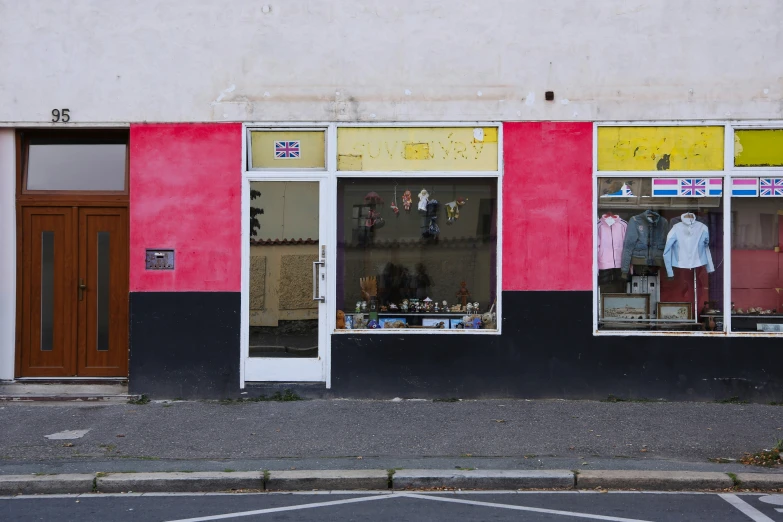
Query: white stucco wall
[
  {"x": 400, "y": 60},
  {"x": 7, "y": 253}
]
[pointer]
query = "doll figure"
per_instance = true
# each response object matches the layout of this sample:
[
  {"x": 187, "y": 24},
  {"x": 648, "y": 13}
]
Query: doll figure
[
  {"x": 462, "y": 294},
  {"x": 424, "y": 198},
  {"x": 452, "y": 210},
  {"x": 406, "y": 200},
  {"x": 340, "y": 320},
  {"x": 358, "y": 306}
]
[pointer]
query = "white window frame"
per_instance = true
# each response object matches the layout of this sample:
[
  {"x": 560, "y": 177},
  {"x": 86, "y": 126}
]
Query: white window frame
[
  {"x": 727, "y": 174},
  {"x": 329, "y": 176}
]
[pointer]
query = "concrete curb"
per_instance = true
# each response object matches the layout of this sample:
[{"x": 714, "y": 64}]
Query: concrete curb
[
  {"x": 482, "y": 479},
  {"x": 327, "y": 479},
  {"x": 179, "y": 482},
  {"x": 46, "y": 484},
  {"x": 345, "y": 480},
  {"x": 653, "y": 480}
]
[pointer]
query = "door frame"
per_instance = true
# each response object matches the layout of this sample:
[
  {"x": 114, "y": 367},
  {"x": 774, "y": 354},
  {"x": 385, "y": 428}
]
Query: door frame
[
  {"x": 286, "y": 370},
  {"x": 279, "y": 369},
  {"x": 24, "y": 198}
]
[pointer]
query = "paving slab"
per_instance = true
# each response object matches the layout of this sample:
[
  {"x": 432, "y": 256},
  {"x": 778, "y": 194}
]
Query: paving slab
[
  {"x": 303, "y": 480},
  {"x": 483, "y": 479},
  {"x": 179, "y": 482},
  {"x": 760, "y": 480},
  {"x": 652, "y": 480},
  {"x": 46, "y": 484}
]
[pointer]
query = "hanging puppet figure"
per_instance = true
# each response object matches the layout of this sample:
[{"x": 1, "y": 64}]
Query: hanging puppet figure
[
  {"x": 424, "y": 197},
  {"x": 452, "y": 209},
  {"x": 394, "y": 206},
  {"x": 406, "y": 200}
]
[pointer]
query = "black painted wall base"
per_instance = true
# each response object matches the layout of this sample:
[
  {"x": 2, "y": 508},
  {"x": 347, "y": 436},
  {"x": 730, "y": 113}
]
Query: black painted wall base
[
  {"x": 184, "y": 344},
  {"x": 187, "y": 345},
  {"x": 547, "y": 350}
]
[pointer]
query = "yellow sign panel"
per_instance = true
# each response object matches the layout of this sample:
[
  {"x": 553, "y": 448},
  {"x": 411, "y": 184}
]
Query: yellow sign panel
[
  {"x": 417, "y": 148},
  {"x": 287, "y": 149},
  {"x": 660, "y": 148},
  {"x": 758, "y": 148}
]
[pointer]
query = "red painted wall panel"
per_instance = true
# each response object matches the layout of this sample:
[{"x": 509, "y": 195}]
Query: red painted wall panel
[
  {"x": 185, "y": 194},
  {"x": 547, "y": 206}
]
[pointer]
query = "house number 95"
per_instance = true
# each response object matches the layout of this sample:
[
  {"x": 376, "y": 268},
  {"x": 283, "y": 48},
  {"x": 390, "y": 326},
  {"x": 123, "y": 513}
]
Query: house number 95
[{"x": 60, "y": 115}]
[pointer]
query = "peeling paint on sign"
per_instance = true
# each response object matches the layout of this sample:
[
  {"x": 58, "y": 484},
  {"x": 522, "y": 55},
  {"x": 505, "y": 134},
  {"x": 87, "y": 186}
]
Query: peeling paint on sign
[
  {"x": 758, "y": 148},
  {"x": 417, "y": 148},
  {"x": 660, "y": 148}
]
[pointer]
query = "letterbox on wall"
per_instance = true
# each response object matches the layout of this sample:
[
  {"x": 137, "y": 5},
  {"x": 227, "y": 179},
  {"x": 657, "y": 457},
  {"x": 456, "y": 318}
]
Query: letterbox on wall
[{"x": 158, "y": 259}]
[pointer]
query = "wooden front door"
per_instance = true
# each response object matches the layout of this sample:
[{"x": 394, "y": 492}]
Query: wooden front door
[{"x": 74, "y": 292}]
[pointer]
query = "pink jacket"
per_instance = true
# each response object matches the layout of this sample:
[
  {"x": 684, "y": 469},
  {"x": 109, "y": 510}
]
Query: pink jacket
[{"x": 610, "y": 242}]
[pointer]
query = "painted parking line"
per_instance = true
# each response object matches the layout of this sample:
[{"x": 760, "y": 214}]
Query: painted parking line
[
  {"x": 573, "y": 514},
  {"x": 281, "y": 509},
  {"x": 523, "y": 508},
  {"x": 754, "y": 514}
]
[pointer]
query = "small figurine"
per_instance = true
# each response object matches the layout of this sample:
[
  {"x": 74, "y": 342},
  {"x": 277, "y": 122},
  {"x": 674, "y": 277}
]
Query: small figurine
[
  {"x": 393, "y": 307},
  {"x": 358, "y": 322},
  {"x": 470, "y": 308},
  {"x": 445, "y": 307},
  {"x": 436, "y": 309},
  {"x": 424, "y": 198},
  {"x": 452, "y": 210},
  {"x": 476, "y": 307},
  {"x": 406, "y": 200},
  {"x": 340, "y": 320},
  {"x": 463, "y": 294},
  {"x": 427, "y": 304},
  {"x": 364, "y": 306},
  {"x": 373, "y": 324},
  {"x": 394, "y": 207},
  {"x": 384, "y": 308},
  {"x": 358, "y": 306},
  {"x": 404, "y": 306}
]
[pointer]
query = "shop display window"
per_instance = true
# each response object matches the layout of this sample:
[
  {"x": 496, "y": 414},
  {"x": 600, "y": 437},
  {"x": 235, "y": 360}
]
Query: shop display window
[
  {"x": 659, "y": 252},
  {"x": 417, "y": 253},
  {"x": 756, "y": 261}
]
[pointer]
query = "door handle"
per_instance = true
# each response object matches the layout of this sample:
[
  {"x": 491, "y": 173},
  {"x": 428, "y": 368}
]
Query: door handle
[
  {"x": 316, "y": 287},
  {"x": 82, "y": 288}
]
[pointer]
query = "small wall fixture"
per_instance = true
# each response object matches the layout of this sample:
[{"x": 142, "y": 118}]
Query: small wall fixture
[{"x": 549, "y": 95}]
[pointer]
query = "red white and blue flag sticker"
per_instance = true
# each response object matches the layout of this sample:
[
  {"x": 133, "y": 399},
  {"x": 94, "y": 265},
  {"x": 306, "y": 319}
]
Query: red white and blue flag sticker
[
  {"x": 690, "y": 187},
  {"x": 771, "y": 187},
  {"x": 287, "y": 149}
]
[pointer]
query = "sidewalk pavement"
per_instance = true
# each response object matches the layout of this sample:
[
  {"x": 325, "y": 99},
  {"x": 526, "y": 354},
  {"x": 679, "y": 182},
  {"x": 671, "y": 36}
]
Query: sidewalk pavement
[{"x": 452, "y": 442}]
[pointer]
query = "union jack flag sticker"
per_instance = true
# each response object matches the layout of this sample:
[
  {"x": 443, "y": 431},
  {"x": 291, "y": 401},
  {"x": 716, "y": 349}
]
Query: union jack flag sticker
[
  {"x": 771, "y": 187},
  {"x": 287, "y": 149},
  {"x": 693, "y": 187}
]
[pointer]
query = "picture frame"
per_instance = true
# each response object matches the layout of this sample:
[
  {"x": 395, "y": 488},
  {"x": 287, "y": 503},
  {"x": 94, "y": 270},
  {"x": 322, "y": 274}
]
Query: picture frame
[
  {"x": 430, "y": 322},
  {"x": 680, "y": 311},
  {"x": 625, "y": 306},
  {"x": 456, "y": 323},
  {"x": 398, "y": 320}
]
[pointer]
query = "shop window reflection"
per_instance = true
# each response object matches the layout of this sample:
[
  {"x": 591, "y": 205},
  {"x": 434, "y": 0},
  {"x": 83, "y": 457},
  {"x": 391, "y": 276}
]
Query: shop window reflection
[
  {"x": 659, "y": 253},
  {"x": 418, "y": 253}
]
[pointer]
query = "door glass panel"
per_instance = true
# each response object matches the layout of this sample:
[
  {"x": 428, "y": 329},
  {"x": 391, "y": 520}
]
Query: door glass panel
[
  {"x": 103, "y": 285},
  {"x": 47, "y": 291},
  {"x": 76, "y": 167},
  {"x": 284, "y": 238}
]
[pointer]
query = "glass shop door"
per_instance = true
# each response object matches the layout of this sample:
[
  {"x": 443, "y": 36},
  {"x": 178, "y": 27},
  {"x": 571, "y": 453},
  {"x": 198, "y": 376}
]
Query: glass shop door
[{"x": 286, "y": 281}]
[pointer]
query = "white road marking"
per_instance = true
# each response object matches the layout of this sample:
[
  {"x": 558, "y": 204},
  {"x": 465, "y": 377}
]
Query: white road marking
[
  {"x": 284, "y": 508},
  {"x": 754, "y": 514},
  {"x": 772, "y": 499},
  {"x": 522, "y": 508},
  {"x": 68, "y": 434}
]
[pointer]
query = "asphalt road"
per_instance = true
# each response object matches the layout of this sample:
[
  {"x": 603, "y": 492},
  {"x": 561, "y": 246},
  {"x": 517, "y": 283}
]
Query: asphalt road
[
  {"x": 552, "y": 506},
  {"x": 315, "y": 434}
]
